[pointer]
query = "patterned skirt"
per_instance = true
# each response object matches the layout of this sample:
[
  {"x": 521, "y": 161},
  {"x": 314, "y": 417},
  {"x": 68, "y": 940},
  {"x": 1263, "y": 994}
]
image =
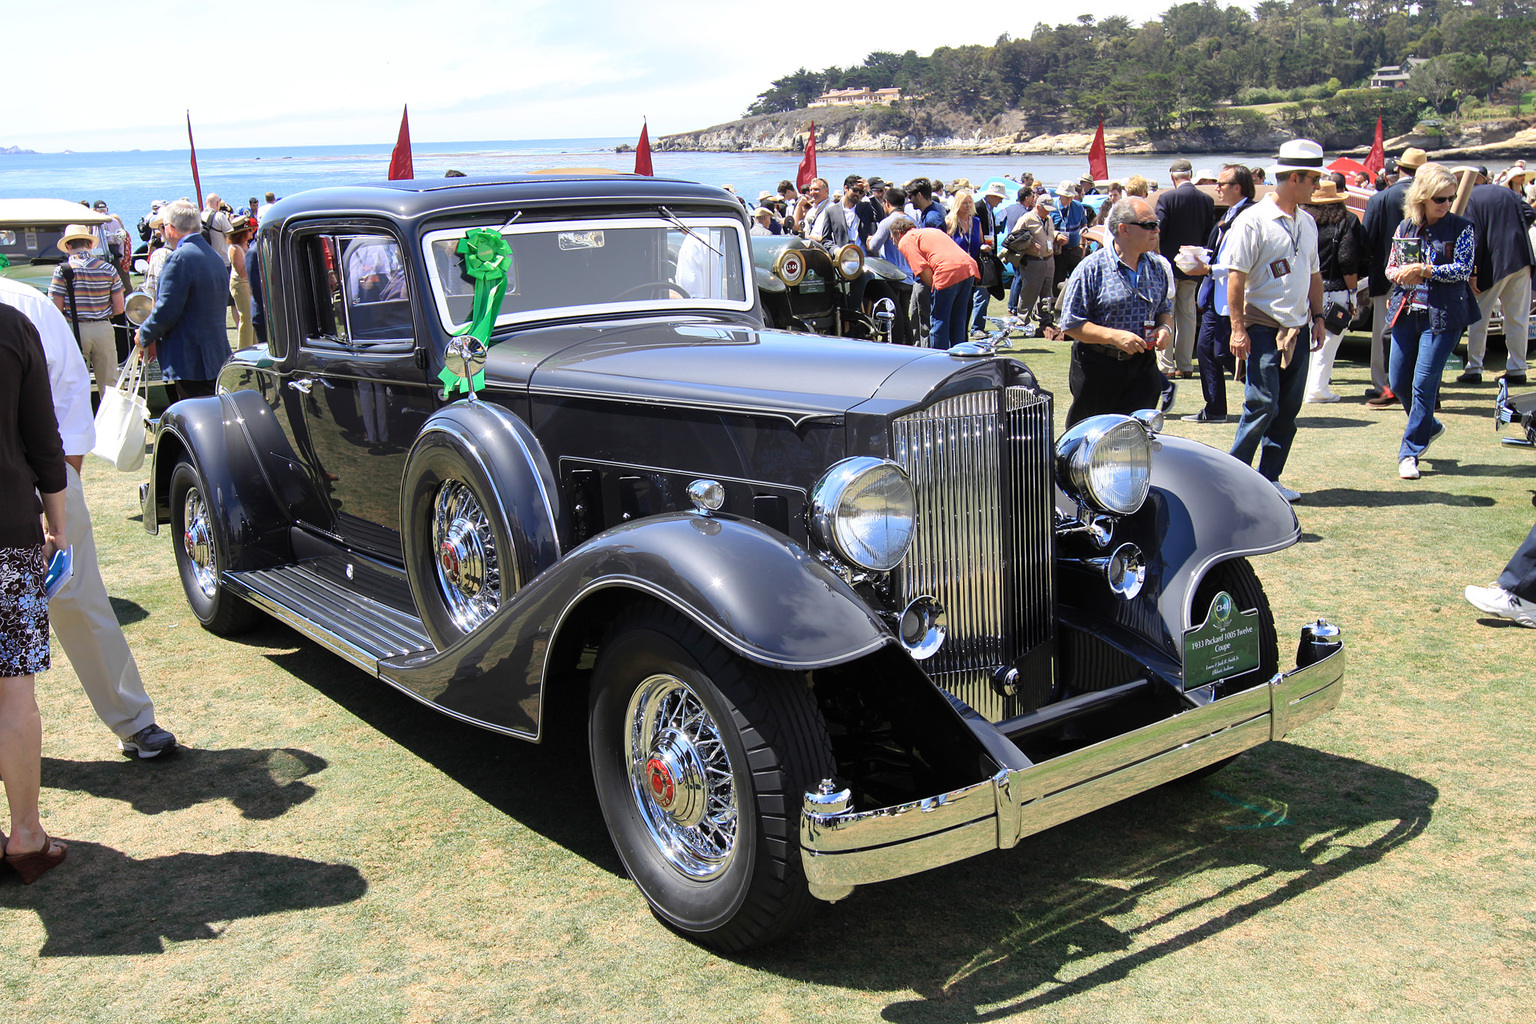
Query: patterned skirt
[{"x": 23, "y": 611}]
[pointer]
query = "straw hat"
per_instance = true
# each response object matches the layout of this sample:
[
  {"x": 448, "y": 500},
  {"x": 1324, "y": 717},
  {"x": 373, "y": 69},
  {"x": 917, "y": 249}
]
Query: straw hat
[
  {"x": 1412, "y": 159},
  {"x": 1325, "y": 194},
  {"x": 1299, "y": 155},
  {"x": 76, "y": 233}
]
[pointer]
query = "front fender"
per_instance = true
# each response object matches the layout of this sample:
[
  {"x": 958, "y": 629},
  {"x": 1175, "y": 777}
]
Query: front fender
[
  {"x": 757, "y": 592},
  {"x": 206, "y": 432},
  {"x": 1204, "y": 506}
]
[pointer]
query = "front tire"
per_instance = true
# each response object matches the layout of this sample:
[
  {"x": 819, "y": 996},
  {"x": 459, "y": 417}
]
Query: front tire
[
  {"x": 700, "y": 758},
  {"x": 200, "y": 557}
]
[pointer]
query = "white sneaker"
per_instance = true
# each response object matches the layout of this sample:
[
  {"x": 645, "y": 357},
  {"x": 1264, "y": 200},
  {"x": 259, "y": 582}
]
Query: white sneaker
[
  {"x": 1495, "y": 600},
  {"x": 1408, "y": 468},
  {"x": 1286, "y": 492},
  {"x": 1329, "y": 397}
]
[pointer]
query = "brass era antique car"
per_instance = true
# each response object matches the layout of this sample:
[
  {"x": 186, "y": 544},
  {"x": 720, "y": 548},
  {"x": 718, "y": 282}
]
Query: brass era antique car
[{"x": 836, "y": 612}]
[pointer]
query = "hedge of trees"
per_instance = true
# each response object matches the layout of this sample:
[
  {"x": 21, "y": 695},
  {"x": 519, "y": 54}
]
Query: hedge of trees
[{"x": 1183, "y": 70}]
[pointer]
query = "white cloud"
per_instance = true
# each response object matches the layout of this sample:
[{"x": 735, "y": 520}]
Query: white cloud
[{"x": 295, "y": 72}]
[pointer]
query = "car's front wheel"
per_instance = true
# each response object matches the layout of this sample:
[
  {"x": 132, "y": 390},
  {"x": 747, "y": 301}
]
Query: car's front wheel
[
  {"x": 200, "y": 556},
  {"x": 700, "y": 758}
]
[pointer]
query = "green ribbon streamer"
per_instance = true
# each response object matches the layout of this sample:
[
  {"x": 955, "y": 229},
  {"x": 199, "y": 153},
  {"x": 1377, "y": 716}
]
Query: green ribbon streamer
[
  {"x": 487, "y": 256},
  {"x": 5, "y": 261}
]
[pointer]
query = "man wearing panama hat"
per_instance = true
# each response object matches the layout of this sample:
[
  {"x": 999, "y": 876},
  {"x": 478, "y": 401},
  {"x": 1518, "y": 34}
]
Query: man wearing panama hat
[
  {"x": 89, "y": 293},
  {"x": 1275, "y": 292}
]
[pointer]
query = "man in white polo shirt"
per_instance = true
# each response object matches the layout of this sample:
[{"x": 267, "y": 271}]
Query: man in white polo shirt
[{"x": 1275, "y": 292}]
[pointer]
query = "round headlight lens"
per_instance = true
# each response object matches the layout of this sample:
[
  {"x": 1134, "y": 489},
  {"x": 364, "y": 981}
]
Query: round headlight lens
[
  {"x": 864, "y": 510},
  {"x": 790, "y": 267},
  {"x": 850, "y": 261},
  {"x": 1106, "y": 461}
]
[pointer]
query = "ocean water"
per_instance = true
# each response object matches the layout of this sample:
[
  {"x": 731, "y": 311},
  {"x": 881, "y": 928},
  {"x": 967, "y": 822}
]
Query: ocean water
[{"x": 130, "y": 181}]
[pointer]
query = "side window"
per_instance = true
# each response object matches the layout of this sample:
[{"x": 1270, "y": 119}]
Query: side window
[
  {"x": 378, "y": 306},
  {"x": 321, "y": 309}
]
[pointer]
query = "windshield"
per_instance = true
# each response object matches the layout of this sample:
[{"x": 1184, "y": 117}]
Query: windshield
[{"x": 598, "y": 266}]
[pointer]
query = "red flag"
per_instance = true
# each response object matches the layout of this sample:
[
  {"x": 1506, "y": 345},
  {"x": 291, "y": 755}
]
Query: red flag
[
  {"x": 196, "y": 182},
  {"x": 1376, "y": 159},
  {"x": 400, "y": 160},
  {"x": 643, "y": 152},
  {"x": 807, "y": 169},
  {"x": 1098, "y": 163}
]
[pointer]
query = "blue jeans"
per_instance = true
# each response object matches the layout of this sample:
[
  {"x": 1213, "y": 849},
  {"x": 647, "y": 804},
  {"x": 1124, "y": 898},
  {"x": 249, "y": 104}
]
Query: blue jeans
[
  {"x": 951, "y": 310},
  {"x": 980, "y": 299},
  {"x": 1271, "y": 401},
  {"x": 1417, "y": 360}
]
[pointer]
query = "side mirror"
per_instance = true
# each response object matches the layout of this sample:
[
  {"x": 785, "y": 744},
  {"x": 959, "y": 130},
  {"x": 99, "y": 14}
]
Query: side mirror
[{"x": 137, "y": 307}]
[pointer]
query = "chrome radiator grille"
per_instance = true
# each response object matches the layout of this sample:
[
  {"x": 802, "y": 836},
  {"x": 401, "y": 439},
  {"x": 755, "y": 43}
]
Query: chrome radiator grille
[{"x": 981, "y": 466}]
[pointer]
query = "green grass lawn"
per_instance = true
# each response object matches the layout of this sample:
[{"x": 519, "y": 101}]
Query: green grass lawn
[{"x": 326, "y": 849}]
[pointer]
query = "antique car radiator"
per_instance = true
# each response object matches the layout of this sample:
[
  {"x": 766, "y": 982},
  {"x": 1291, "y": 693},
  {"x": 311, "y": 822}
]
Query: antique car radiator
[{"x": 980, "y": 464}]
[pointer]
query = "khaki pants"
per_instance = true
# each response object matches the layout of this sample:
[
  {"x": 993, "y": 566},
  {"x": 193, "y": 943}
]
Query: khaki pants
[
  {"x": 240, "y": 291},
  {"x": 82, "y": 618},
  {"x": 1513, "y": 292},
  {"x": 1186, "y": 327},
  {"x": 98, "y": 343}
]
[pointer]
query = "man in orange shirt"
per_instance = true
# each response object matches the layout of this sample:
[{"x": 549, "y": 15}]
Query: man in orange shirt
[{"x": 948, "y": 274}]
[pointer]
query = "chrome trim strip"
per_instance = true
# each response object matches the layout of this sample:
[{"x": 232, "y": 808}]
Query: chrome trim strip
[
  {"x": 797, "y": 418},
  {"x": 860, "y": 847}
]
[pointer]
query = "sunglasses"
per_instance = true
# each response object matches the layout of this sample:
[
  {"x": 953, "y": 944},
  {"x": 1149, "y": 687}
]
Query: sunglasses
[
  {"x": 1441, "y": 199},
  {"x": 1225, "y": 184},
  {"x": 1147, "y": 225}
]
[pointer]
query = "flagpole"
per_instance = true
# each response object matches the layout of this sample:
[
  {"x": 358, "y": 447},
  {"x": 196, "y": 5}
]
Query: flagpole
[{"x": 196, "y": 181}]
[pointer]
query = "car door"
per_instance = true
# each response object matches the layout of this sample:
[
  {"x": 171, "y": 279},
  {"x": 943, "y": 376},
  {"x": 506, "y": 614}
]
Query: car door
[{"x": 358, "y": 385}]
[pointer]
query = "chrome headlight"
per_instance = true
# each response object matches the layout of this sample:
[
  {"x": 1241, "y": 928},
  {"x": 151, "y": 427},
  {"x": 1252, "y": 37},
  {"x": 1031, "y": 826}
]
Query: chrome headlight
[
  {"x": 864, "y": 510},
  {"x": 1106, "y": 461},
  {"x": 850, "y": 261}
]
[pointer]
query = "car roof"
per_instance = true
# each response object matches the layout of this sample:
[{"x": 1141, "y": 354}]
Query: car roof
[
  {"x": 47, "y": 212},
  {"x": 419, "y": 197}
]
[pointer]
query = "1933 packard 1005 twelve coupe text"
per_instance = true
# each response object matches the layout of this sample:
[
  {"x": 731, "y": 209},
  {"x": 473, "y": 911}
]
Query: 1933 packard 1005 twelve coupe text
[{"x": 840, "y": 611}]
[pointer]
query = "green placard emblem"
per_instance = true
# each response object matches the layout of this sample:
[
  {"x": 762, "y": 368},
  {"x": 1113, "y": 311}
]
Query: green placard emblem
[{"x": 1226, "y": 644}]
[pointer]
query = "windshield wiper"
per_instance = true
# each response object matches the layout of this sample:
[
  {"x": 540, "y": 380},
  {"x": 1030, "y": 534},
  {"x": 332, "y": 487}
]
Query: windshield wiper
[{"x": 685, "y": 229}]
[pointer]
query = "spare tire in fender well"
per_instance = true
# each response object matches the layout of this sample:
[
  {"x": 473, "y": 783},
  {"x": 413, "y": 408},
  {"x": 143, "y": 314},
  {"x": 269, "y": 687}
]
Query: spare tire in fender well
[{"x": 497, "y": 458}]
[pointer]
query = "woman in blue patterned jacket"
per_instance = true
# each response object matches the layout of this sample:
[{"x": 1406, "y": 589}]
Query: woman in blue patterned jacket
[{"x": 1431, "y": 304}]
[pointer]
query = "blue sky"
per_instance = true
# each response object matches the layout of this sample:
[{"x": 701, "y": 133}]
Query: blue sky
[{"x": 285, "y": 72}]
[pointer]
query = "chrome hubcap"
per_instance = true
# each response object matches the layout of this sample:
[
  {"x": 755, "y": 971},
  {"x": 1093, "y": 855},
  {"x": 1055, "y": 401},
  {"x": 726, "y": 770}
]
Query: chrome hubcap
[
  {"x": 468, "y": 570},
  {"x": 680, "y": 777},
  {"x": 197, "y": 539}
]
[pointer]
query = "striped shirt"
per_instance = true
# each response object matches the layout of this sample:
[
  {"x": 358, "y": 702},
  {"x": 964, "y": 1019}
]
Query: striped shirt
[{"x": 95, "y": 284}]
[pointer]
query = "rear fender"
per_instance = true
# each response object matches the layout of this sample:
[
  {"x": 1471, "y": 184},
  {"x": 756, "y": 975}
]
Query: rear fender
[{"x": 757, "y": 592}]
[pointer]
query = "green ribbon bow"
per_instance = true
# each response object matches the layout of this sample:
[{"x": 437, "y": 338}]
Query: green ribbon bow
[
  {"x": 5, "y": 261},
  {"x": 487, "y": 256}
]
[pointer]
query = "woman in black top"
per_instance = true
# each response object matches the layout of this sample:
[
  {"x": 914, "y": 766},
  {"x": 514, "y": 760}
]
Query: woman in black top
[
  {"x": 1342, "y": 260},
  {"x": 31, "y": 461}
]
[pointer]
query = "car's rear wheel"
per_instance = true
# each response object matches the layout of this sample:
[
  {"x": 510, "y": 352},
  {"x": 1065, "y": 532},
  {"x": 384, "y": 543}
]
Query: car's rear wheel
[
  {"x": 700, "y": 759},
  {"x": 200, "y": 556}
]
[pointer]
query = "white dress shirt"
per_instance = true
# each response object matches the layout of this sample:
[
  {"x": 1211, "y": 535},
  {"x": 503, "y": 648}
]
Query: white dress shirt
[{"x": 67, "y": 375}]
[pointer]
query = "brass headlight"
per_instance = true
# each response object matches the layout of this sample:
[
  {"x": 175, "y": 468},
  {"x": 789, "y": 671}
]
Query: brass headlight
[
  {"x": 850, "y": 261},
  {"x": 790, "y": 267}
]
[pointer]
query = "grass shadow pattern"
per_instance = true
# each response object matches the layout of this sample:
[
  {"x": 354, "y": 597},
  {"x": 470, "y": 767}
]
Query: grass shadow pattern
[{"x": 261, "y": 783}]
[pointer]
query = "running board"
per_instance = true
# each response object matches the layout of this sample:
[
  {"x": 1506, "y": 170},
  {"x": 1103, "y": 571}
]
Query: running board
[{"x": 359, "y": 629}]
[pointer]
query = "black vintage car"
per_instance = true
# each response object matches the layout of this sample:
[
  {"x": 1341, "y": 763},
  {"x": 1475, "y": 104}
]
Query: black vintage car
[
  {"x": 806, "y": 287},
  {"x": 836, "y": 611}
]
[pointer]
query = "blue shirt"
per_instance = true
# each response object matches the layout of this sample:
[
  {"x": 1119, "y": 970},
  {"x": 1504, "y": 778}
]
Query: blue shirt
[
  {"x": 1106, "y": 292},
  {"x": 1070, "y": 219}
]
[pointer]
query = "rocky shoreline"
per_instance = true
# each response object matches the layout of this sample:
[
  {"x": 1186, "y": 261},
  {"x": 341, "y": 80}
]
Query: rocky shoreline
[{"x": 862, "y": 130}]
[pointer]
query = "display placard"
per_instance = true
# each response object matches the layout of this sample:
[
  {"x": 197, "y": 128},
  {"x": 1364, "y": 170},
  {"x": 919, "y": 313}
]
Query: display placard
[{"x": 1226, "y": 644}]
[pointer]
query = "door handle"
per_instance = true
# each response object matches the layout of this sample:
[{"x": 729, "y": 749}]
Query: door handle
[{"x": 307, "y": 383}]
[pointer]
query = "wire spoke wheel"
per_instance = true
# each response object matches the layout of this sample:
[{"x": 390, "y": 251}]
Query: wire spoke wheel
[
  {"x": 680, "y": 777},
  {"x": 197, "y": 541},
  {"x": 467, "y": 560}
]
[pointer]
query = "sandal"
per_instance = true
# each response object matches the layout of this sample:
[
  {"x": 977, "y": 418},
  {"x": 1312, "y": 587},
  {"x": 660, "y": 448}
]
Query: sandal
[{"x": 31, "y": 866}]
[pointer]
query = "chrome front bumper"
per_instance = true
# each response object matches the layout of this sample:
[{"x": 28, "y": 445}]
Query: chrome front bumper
[{"x": 842, "y": 848}]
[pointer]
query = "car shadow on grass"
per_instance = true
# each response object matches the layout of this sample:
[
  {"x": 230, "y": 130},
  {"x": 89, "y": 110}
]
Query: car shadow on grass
[
  {"x": 1351, "y": 497},
  {"x": 545, "y": 786},
  {"x": 262, "y": 784},
  {"x": 1089, "y": 902},
  {"x": 101, "y": 902}
]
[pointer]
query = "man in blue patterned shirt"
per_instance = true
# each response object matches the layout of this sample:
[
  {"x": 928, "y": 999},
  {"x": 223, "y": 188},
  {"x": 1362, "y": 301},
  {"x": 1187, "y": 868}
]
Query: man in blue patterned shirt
[{"x": 1118, "y": 313}]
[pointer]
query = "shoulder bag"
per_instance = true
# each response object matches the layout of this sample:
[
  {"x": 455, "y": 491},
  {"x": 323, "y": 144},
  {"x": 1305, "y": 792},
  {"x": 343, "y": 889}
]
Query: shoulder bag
[{"x": 122, "y": 418}]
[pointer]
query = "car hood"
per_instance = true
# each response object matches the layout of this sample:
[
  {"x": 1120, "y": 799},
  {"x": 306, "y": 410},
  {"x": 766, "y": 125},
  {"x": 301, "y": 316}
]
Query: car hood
[{"x": 800, "y": 376}]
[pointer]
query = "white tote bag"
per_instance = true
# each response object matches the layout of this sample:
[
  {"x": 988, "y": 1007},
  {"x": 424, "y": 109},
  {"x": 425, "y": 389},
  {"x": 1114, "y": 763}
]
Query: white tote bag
[{"x": 122, "y": 419}]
